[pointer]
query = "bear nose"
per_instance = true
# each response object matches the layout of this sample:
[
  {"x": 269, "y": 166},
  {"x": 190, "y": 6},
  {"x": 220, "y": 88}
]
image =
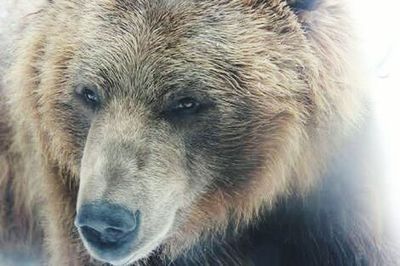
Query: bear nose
[{"x": 104, "y": 225}]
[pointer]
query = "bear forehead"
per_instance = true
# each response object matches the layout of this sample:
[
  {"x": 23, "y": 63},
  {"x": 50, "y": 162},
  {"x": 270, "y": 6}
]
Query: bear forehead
[
  {"x": 144, "y": 27},
  {"x": 162, "y": 43},
  {"x": 162, "y": 27}
]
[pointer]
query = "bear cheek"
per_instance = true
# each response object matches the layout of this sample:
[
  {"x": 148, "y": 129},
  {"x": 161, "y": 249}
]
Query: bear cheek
[{"x": 63, "y": 131}]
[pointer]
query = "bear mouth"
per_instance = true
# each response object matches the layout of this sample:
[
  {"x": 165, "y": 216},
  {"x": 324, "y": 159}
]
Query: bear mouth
[
  {"x": 114, "y": 238},
  {"x": 110, "y": 249},
  {"x": 109, "y": 231},
  {"x": 113, "y": 234}
]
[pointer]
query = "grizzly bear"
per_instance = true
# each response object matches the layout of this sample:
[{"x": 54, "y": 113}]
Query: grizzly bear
[{"x": 187, "y": 132}]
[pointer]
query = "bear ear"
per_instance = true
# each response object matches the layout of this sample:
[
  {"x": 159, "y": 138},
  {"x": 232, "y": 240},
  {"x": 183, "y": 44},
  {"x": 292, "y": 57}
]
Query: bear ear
[
  {"x": 302, "y": 4},
  {"x": 297, "y": 5}
]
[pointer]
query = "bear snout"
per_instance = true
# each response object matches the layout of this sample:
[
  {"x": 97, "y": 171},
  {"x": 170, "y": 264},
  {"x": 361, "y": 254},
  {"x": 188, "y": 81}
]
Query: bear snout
[{"x": 109, "y": 230}]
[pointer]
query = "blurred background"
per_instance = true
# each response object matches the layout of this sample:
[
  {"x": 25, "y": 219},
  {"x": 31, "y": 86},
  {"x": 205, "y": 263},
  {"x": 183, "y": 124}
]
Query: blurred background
[
  {"x": 378, "y": 34},
  {"x": 377, "y": 24}
]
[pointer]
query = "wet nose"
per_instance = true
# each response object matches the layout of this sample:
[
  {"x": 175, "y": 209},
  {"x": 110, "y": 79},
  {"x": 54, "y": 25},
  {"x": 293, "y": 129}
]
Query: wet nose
[{"x": 104, "y": 225}]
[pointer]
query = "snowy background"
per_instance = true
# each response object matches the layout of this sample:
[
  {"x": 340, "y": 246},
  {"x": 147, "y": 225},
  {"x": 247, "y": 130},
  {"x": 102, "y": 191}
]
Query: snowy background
[{"x": 378, "y": 25}]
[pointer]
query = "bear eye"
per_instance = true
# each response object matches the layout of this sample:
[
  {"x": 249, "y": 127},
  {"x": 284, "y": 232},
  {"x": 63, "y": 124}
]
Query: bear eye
[
  {"x": 180, "y": 108},
  {"x": 88, "y": 95},
  {"x": 186, "y": 105}
]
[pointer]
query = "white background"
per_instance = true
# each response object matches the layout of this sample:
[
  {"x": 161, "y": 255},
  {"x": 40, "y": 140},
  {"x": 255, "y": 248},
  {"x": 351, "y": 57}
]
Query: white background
[{"x": 378, "y": 24}]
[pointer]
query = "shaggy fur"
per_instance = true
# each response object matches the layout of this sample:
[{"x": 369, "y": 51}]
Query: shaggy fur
[{"x": 259, "y": 176}]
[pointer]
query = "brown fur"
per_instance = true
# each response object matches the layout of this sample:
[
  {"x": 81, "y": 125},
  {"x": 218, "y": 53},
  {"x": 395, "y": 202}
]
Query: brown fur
[{"x": 295, "y": 69}]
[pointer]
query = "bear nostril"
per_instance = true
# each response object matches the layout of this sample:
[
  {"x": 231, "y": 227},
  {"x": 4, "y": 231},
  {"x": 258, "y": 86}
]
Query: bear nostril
[
  {"x": 109, "y": 235},
  {"x": 90, "y": 234},
  {"x": 112, "y": 235},
  {"x": 105, "y": 224}
]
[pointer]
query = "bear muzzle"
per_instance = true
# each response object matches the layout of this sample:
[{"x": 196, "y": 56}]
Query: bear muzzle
[{"x": 109, "y": 230}]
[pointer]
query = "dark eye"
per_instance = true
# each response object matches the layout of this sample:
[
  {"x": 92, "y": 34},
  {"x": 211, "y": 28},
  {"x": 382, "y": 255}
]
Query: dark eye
[
  {"x": 181, "y": 108},
  {"x": 186, "y": 105},
  {"x": 89, "y": 95}
]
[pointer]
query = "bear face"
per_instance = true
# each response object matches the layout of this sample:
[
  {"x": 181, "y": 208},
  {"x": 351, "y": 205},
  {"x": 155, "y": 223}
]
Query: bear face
[{"x": 176, "y": 117}]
